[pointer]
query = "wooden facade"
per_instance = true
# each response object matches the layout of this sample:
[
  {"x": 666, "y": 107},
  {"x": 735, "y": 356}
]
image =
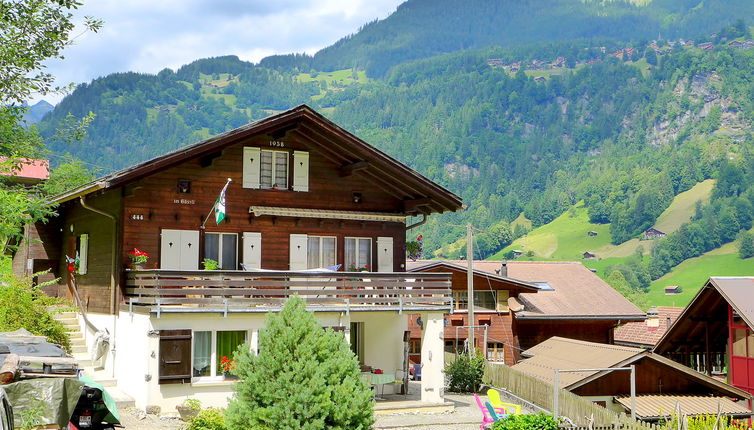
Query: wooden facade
[{"x": 318, "y": 181}]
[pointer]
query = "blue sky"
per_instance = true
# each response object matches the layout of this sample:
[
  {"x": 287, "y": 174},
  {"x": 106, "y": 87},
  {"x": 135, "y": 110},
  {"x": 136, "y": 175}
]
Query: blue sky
[{"x": 149, "y": 35}]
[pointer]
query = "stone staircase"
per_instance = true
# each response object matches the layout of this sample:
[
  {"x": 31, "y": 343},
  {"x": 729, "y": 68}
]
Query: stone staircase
[{"x": 82, "y": 356}]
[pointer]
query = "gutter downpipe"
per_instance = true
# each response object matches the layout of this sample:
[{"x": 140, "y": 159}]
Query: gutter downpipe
[
  {"x": 113, "y": 260},
  {"x": 417, "y": 224}
]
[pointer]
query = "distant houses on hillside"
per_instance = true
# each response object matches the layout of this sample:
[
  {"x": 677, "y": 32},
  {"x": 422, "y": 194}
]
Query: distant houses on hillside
[{"x": 652, "y": 233}]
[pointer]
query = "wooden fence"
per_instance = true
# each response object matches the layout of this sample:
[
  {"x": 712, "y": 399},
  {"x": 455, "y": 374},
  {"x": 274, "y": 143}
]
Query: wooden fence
[{"x": 580, "y": 412}]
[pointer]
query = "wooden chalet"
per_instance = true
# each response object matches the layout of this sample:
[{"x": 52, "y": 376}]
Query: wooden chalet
[
  {"x": 526, "y": 302},
  {"x": 661, "y": 384},
  {"x": 303, "y": 195},
  {"x": 652, "y": 233},
  {"x": 715, "y": 333}
]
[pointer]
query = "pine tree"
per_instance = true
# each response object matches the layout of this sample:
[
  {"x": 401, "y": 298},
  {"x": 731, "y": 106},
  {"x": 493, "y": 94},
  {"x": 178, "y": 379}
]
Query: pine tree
[
  {"x": 746, "y": 245},
  {"x": 304, "y": 377}
]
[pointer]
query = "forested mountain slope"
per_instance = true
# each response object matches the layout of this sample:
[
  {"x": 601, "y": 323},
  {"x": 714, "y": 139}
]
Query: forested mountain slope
[
  {"x": 412, "y": 31},
  {"x": 620, "y": 128}
]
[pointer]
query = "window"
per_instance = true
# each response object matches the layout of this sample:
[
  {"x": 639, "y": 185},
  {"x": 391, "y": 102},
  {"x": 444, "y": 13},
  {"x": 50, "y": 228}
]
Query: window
[
  {"x": 357, "y": 340},
  {"x": 739, "y": 342},
  {"x": 454, "y": 346},
  {"x": 358, "y": 254},
  {"x": 223, "y": 248},
  {"x": 273, "y": 169},
  {"x": 320, "y": 252},
  {"x": 483, "y": 300},
  {"x": 495, "y": 352},
  {"x": 211, "y": 348}
]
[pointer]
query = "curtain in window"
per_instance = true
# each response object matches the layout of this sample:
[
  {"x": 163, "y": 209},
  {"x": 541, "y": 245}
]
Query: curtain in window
[
  {"x": 230, "y": 247},
  {"x": 281, "y": 169},
  {"x": 202, "y": 353},
  {"x": 365, "y": 253},
  {"x": 265, "y": 169},
  {"x": 328, "y": 251},
  {"x": 350, "y": 249},
  {"x": 312, "y": 255},
  {"x": 212, "y": 246},
  {"x": 227, "y": 343}
]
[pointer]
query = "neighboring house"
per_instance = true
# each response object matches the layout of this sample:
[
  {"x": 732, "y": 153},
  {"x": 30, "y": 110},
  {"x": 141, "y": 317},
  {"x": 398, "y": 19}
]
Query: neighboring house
[
  {"x": 645, "y": 334},
  {"x": 588, "y": 255},
  {"x": 571, "y": 301},
  {"x": 305, "y": 194},
  {"x": 672, "y": 290},
  {"x": 652, "y": 233},
  {"x": 28, "y": 171},
  {"x": 491, "y": 297},
  {"x": 660, "y": 383},
  {"x": 715, "y": 332}
]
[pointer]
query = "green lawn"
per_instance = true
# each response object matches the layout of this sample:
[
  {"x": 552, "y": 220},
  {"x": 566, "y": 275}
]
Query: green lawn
[
  {"x": 692, "y": 273},
  {"x": 565, "y": 238},
  {"x": 682, "y": 208}
]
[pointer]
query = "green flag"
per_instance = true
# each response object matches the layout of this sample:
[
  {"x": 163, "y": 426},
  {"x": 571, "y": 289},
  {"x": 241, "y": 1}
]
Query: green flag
[{"x": 220, "y": 205}]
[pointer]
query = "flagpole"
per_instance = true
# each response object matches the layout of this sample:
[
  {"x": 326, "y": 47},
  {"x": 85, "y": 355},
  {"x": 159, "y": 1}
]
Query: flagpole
[{"x": 214, "y": 205}]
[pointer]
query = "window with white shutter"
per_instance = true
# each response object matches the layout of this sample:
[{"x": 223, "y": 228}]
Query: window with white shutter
[
  {"x": 251, "y": 167},
  {"x": 83, "y": 254},
  {"x": 385, "y": 254},
  {"x": 300, "y": 171},
  {"x": 179, "y": 249},
  {"x": 298, "y": 252},
  {"x": 252, "y": 250}
]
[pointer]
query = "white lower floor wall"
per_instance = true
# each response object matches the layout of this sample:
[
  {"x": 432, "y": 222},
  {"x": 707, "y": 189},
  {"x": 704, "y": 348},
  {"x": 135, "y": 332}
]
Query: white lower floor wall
[
  {"x": 105, "y": 323},
  {"x": 137, "y": 360}
]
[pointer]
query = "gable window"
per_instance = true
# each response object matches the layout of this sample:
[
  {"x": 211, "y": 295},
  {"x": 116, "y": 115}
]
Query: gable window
[
  {"x": 223, "y": 248},
  {"x": 358, "y": 252},
  {"x": 273, "y": 169},
  {"x": 320, "y": 252},
  {"x": 212, "y": 349}
]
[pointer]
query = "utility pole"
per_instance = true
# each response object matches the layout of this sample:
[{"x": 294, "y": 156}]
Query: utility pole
[{"x": 470, "y": 283}]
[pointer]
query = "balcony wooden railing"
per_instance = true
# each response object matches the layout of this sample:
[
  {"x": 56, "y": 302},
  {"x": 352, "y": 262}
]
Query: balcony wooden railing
[{"x": 241, "y": 291}]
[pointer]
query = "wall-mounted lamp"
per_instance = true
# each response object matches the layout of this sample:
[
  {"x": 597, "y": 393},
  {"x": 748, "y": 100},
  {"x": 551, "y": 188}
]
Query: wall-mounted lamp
[
  {"x": 420, "y": 323},
  {"x": 356, "y": 197},
  {"x": 71, "y": 228}
]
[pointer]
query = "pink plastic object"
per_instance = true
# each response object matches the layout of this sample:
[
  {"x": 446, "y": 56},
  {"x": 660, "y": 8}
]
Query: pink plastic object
[{"x": 486, "y": 418}]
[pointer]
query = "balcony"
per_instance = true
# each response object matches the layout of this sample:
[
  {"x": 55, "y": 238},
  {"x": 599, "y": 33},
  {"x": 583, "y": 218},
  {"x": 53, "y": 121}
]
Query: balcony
[{"x": 168, "y": 291}]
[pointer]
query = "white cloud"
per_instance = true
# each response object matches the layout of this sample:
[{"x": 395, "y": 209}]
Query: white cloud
[{"x": 149, "y": 35}]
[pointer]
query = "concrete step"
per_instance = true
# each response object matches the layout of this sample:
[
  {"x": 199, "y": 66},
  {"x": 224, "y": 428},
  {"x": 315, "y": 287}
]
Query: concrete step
[
  {"x": 78, "y": 349},
  {"x": 122, "y": 400}
]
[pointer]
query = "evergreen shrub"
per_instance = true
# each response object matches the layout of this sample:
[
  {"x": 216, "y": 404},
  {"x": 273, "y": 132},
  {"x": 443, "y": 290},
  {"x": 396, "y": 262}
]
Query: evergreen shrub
[
  {"x": 465, "y": 373},
  {"x": 526, "y": 422},
  {"x": 304, "y": 377}
]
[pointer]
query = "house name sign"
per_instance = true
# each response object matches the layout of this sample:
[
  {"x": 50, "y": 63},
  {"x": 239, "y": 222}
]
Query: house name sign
[{"x": 184, "y": 202}]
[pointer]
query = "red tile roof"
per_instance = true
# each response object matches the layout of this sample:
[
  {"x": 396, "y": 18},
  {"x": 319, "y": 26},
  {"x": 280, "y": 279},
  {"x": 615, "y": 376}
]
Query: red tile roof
[
  {"x": 29, "y": 169},
  {"x": 641, "y": 333}
]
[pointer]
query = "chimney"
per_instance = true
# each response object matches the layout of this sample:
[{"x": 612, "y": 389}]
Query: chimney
[
  {"x": 653, "y": 318},
  {"x": 504, "y": 269}
]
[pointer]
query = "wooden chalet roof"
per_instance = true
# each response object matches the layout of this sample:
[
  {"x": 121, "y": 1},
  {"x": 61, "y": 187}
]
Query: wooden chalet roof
[
  {"x": 571, "y": 354},
  {"x": 567, "y": 290},
  {"x": 708, "y": 311},
  {"x": 454, "y": 266},
  {"x": 642, "y": 333},
  {"x": 420, "y": 195}
]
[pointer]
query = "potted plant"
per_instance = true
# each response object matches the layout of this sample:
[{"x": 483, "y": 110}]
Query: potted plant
[
  {"x": 414, "y": 248},
  {"x": 275, "y": 186},
  {"x": 189, "y": 409},
  {"x": 210, "y": 264},
  {"x": 138, "y": 258},
  {"x": 228, "y": 365}
]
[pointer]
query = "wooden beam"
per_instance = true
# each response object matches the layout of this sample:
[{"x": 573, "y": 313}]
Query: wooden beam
[
  {"x": 415, "y": 204},
  {"x": 350, "y": 169}
]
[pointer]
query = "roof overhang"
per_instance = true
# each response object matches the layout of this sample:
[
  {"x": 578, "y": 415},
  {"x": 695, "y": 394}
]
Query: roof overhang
[
  {"x": 419, "y": 194},
  {"x": 326, "y": 214},
  {"x": 530, "y": 316}
]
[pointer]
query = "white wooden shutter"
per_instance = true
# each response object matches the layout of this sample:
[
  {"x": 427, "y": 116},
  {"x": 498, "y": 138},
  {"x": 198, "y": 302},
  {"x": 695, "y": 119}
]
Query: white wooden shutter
[
  {"x": 170, "y": 250},
  {"x": 502, "y": 300},
  {"x": 189, "y": 250},
  {"x": 83, "y": 253},
  {"x": 298, "y": 260},
  {"x": 385, "y": 254},
  {"x": 252, "y": 250},
  {"x": 300, "y": 171},
  {"x": 251, "y": 163}
]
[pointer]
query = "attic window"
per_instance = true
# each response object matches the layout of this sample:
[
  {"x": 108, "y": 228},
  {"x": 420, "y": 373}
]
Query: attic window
[
  {"x": 274, "y": 169},
  {"x": 544, "y": 286}
]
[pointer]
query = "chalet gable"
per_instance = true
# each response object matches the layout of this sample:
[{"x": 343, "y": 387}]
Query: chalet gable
[{"x": 348, "y": 155}]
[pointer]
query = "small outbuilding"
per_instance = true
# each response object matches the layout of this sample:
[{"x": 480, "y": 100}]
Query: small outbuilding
[{"x": 653, "y": 233}]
